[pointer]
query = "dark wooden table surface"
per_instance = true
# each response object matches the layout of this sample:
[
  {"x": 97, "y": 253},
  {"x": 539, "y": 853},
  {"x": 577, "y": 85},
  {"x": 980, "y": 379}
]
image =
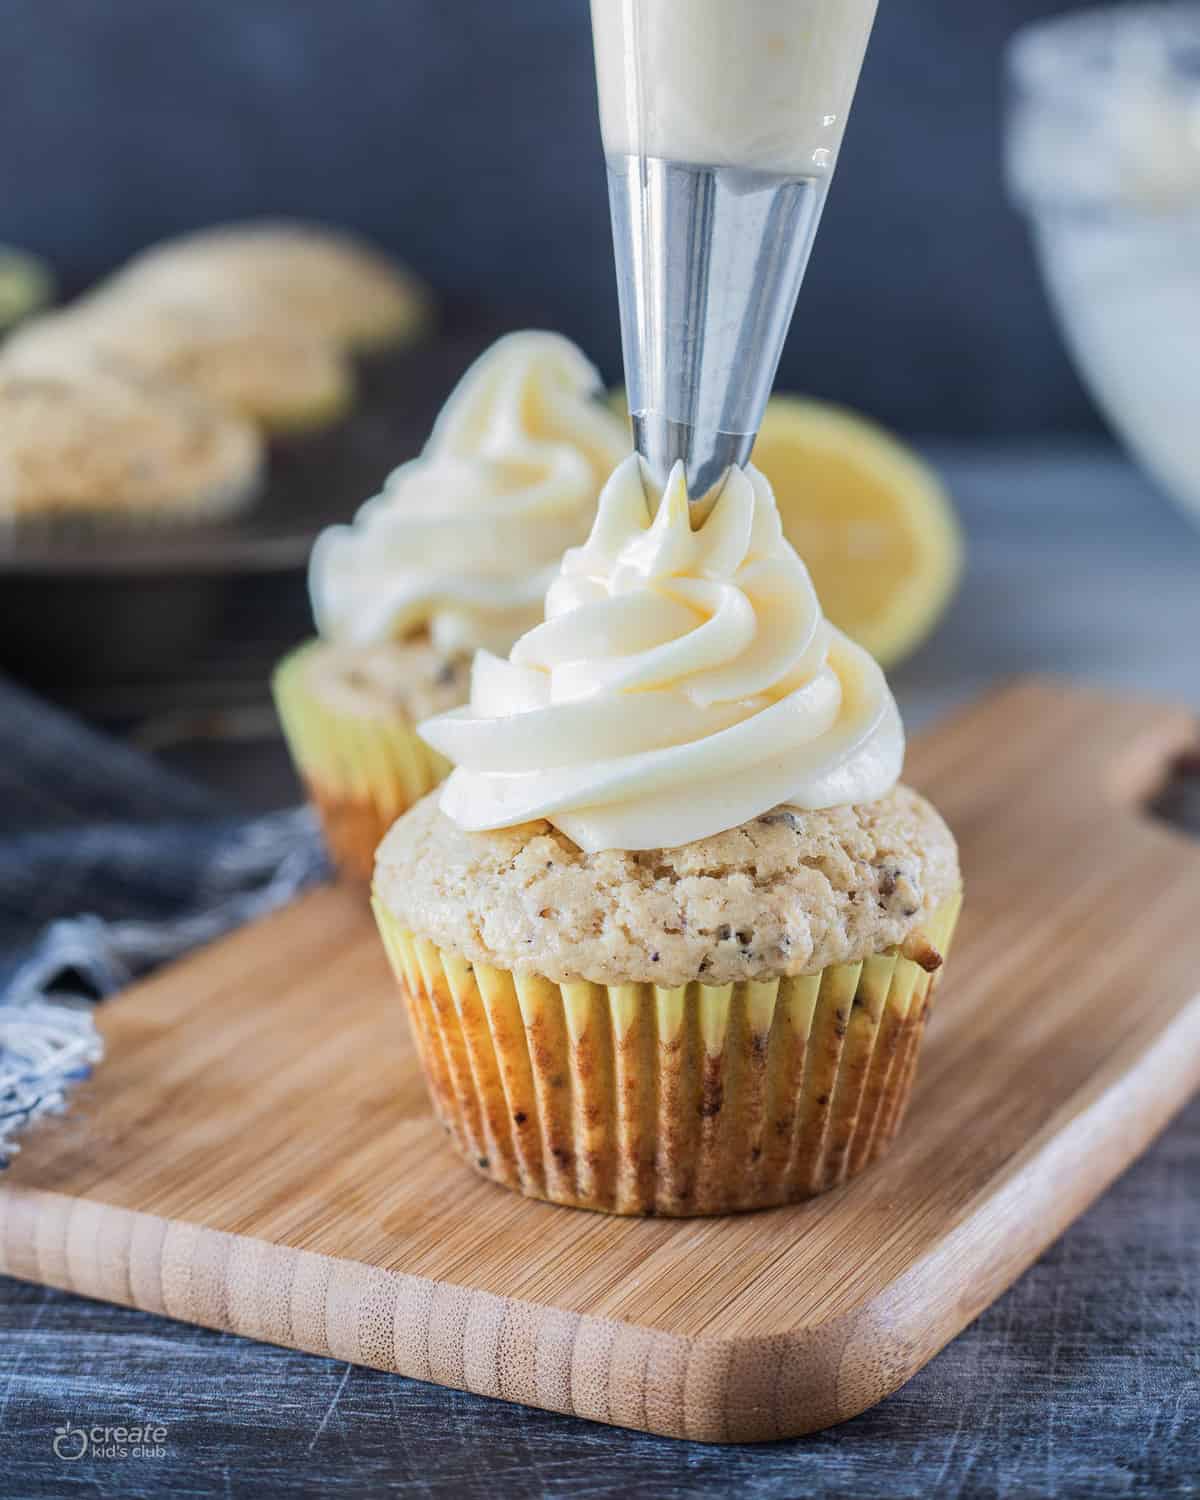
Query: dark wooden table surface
[{"x": 1084, "y": 1380}]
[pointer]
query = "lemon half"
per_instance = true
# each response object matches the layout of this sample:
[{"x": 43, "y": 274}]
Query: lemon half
[
  {"x": 26, "y": 285},
  {"x": 872, "y": 521}
]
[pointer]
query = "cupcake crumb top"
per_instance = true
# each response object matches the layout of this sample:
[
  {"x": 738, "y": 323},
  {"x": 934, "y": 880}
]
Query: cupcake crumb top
[
  {"x": 95, "y": 441},
  {"x": 786, "y": 893},
  {"x": 269, "y": 373},
  {"x": 297, "y": 274}
]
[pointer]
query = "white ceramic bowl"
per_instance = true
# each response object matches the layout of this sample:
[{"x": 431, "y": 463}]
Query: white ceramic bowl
[{"x": 1104, "y": 157}]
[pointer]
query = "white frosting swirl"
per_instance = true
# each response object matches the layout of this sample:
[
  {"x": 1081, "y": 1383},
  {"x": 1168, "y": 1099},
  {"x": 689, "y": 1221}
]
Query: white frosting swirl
[
  {"x": 464, "y": 540},
  {"x": 684, "y": 682}
]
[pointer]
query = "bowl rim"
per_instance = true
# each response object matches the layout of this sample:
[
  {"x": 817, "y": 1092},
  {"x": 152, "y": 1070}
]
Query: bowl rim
[{"x": 1062, "y": 55}]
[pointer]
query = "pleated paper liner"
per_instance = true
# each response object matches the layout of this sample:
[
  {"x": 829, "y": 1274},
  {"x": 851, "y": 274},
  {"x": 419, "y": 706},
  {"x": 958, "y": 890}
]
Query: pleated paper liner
[
  {"x": 361, "y": 770},
  {"x": 700, "y": 1100}
]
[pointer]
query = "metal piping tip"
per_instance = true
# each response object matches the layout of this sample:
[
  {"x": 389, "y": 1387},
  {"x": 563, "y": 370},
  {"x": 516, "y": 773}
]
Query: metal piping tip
[
  {"x": 706, "y": 457},
  {"x": 709, "y": 265}
]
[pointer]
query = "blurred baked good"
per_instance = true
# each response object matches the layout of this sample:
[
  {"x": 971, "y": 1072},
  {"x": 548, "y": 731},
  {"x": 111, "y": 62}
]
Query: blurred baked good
[
  {"x": 95, "y": 445},
  {"x": 326, "y": 281},
  {"x": 284, "y": 379}
]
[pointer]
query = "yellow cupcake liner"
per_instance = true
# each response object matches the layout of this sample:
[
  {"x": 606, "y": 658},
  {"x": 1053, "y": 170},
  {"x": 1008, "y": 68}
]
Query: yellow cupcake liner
[
  {"x": 706, "y": 1099},
  {"x": 362, "y": 770}
]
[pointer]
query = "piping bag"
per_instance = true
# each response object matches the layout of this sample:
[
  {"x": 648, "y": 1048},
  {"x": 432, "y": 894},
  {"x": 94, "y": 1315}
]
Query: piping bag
[{"x": 721, "y": 122}]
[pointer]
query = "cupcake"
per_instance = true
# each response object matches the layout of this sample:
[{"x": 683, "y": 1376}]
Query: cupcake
[
  {"x": 296, "y": 275},
  {"x": 454, "y": 554},
  {"x": 87, "y": 447},
  {"x": 669, "y": 934},
  {"x": 285, "y": 380}
]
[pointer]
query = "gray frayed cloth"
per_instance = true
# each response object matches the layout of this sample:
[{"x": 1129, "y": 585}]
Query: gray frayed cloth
[{"x": 109, "y": 866}]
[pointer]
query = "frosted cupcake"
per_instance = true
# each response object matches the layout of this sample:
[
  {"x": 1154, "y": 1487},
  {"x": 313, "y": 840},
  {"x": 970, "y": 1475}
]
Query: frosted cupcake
[
  {"x": 330, "y": 283},
  {"x": 669, "y": 934},
  {"x": 455, "y": 554},
  {"x": 94, "y": 448}
]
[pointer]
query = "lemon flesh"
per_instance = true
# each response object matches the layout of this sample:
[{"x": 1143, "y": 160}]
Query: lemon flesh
[{"x": 871, "y": 520}]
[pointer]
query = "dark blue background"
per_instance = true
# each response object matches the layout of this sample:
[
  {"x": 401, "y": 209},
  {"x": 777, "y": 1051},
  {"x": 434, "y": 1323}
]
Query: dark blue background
[{"x": 464, "y": 134}]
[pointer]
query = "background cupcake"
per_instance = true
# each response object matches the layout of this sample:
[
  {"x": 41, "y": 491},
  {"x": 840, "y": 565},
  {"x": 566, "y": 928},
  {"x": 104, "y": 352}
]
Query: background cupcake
[
  {"x": 326, "y": 281},
  {"x": 284, "y": 379},
  {"x": 667, "y": 935},
  {"x": 454, "y": 554},
  {"x": 94, "y": 446}
]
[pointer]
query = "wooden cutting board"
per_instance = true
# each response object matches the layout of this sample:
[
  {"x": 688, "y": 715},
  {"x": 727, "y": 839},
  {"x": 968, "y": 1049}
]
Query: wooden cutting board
[{"x": 256, "y": 1153}]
